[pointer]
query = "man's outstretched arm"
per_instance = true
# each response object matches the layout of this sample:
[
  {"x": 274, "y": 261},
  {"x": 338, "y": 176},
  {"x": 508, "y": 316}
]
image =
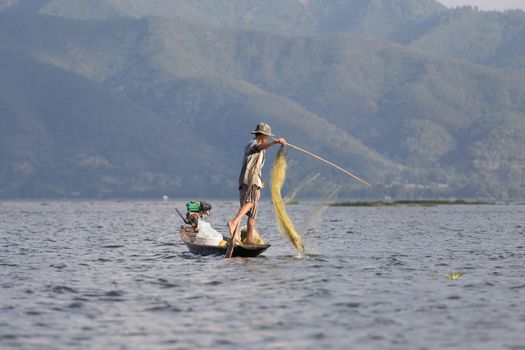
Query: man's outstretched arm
[{"x": 266, "y": 145}]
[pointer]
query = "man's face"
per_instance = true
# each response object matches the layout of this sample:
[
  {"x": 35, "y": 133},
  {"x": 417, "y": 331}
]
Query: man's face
[{"x": 262, "y": 138}]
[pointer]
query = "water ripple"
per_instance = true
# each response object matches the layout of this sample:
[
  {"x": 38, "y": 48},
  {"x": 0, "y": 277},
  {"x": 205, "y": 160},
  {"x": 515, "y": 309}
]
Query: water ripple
[{"x": 115, "y": 274}]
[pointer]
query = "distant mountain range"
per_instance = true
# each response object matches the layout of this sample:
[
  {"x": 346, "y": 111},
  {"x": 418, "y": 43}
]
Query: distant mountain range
[{"x": 112, "y": 98}]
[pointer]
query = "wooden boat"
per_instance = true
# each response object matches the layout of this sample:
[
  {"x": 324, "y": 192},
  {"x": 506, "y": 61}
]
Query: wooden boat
[{"x": 248, "y": 251}]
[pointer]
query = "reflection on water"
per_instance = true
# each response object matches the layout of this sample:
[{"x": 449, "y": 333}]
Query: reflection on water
[{"x": 116, "y": 275}]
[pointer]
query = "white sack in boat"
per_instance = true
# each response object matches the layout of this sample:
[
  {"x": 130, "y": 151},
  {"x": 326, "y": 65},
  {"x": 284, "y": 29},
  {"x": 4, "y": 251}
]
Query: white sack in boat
[{"x": 206, "y": 234}]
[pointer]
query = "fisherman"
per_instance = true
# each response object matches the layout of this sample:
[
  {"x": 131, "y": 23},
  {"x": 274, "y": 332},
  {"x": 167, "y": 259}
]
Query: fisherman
[{"x": 250, "y": 179}]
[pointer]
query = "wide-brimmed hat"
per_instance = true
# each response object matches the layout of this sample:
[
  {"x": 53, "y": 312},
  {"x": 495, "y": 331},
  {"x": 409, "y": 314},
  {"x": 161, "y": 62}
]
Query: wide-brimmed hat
[{"x": 263, "y": 128}]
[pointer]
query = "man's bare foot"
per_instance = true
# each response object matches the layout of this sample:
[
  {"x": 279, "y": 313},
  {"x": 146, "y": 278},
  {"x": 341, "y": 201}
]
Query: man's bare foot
[
  {"x": 231, "y": 227},
  {"x": 249, "y": 242}
]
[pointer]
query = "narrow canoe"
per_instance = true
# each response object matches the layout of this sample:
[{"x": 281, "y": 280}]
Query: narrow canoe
[{"x": 246, "y": 251}]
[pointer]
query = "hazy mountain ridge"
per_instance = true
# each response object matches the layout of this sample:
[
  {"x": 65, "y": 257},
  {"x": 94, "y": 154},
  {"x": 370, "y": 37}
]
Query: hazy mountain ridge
[
  {"x": 187, "y": 165},
  {"x": 424, "y": 24},
  {"x": 392, "y": 114},
  {"x": 64, "y": 135},
  {"x": 487, "y": 38}
]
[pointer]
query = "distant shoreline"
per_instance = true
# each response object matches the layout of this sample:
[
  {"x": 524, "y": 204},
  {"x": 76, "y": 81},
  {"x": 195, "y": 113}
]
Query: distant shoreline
[
  {"x": 344, "y": 203},
  {"x": 420, "y": 203}
]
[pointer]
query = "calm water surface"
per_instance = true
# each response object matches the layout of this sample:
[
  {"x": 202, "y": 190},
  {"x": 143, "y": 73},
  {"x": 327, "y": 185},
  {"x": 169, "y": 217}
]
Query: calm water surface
[{"x": 115, "y": 275}]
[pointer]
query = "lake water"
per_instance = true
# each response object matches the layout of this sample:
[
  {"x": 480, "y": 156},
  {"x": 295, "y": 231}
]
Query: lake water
[{"x": 115, "y": 275}]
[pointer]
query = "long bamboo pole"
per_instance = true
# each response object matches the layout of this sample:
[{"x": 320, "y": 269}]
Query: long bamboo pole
[
  {"x": 231, "y": 246},
  {"x": 327, "y": 162}
]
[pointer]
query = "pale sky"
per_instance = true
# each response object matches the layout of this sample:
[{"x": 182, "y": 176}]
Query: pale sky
[{"x": 487, "y": 4}]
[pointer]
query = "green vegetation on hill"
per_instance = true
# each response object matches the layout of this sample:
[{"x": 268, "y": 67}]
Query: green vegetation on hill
[
  {"x": 63, "y": 135},
  {"x": 128, "y": 105},
  {"x": 382, "y": 18},
  {"x": 488, "y": 38}
]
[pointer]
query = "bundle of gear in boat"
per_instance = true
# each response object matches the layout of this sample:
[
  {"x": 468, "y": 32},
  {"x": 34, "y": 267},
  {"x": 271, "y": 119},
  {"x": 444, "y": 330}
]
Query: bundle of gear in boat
[{"x": 201, "y": 230}]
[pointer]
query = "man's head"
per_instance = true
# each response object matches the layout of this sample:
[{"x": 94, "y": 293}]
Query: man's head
[{"x": 262, "y": 131}]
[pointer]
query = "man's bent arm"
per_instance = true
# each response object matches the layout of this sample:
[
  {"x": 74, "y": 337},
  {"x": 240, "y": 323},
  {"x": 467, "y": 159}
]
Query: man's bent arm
[{"x": 270, "y": 144}]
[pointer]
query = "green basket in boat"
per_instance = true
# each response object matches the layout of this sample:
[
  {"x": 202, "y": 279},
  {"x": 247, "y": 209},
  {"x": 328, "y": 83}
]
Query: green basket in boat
[{"x": 194, "y": 207}]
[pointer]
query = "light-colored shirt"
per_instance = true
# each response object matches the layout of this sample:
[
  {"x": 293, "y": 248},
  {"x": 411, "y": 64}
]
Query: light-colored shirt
[{"x": 252, "y": 163}]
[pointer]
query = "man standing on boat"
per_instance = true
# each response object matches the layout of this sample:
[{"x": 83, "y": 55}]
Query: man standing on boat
[{"x": 250, "y": 178}]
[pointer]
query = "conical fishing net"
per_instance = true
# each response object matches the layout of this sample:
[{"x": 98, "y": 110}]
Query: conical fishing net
[{"x": 277, "y": 177}]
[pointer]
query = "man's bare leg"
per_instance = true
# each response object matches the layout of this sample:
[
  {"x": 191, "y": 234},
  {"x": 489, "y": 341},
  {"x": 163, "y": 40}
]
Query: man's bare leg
[
  {"x": 232, "y": 224},
  {"x": 249, "y": 231}
]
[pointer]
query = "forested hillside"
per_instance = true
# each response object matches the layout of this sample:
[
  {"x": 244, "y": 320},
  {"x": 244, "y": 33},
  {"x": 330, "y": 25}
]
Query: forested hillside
[
  {"x": 131, "y": 98},
  {"x": 490, "y": 38}
]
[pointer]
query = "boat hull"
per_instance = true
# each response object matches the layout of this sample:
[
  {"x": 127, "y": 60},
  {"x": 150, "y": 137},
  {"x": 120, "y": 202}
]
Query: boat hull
[{"x": 245, "y": 251}]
